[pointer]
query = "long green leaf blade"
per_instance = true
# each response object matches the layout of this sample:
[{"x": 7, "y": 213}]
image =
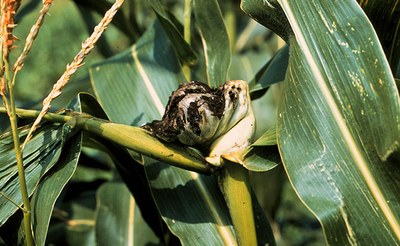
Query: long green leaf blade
[
  {"x": 49, "y": 189},
  {"x": 52, "y": 184},
  {"x": 40, "y": 154},
  {"x": 340, "y": 112},
  {"x": 215, "y": 40}
]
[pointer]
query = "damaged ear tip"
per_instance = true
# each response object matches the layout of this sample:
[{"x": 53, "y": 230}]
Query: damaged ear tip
[{"x": 199, "y": 115}]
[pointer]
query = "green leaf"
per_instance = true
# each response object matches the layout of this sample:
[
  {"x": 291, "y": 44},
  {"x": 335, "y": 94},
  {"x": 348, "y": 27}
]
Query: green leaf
[
  {"x": 50, "y": 187},
  {"x": 339, "y": 121},
  {"x": 265, "y": 235},
  {"x": 52, "y": 184},
  {"x": 262, "y": 155},
  {"x": 126, "y": 77},
  {"x": 274, "y": 19},
  {"x": 215, "y": 40},
  {"x": 267, "y": 139},
  {"x": 40, "y": 154},
  {"x": 261, "y": 159},
  {"x": 182, "y": 48},
  {"x": 191, "y": 205},
  {"x": 118, "y": 219},
  {"x": 272, "y": 72}
]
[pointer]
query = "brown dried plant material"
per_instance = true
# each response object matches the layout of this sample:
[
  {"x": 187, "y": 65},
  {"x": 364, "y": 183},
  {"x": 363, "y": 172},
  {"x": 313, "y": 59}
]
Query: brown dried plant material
[
  {"x": 8, "y": 10},
  {"x": 2, "y": 86},
  {"x": 87, "y": 47}
]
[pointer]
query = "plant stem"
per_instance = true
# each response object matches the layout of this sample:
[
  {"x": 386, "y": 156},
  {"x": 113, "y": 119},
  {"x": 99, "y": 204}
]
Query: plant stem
[
  {"x": 52, "y": 117},
  {"x": 18, "y": 154},
  {"x": 131, "y": 137},
  {"x": 11, "y": 200},
  {"x": 234, "y": 183},
  {"x": 186, "y": 33},
  {"x": 139, "y": 140}
]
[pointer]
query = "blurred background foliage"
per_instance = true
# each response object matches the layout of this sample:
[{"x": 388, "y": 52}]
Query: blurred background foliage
[
  {"x": 68, "y": 24},
  {"x": 66, "y": 30}
]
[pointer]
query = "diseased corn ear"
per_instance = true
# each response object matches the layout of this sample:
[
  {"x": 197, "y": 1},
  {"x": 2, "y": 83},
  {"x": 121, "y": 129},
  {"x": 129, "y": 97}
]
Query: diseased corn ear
[{"x": 220, "y": 120}]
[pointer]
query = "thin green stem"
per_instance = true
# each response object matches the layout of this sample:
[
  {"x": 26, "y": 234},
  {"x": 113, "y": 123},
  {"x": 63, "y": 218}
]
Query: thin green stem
[
  {"x": 186, "y": 33},
  {"x": 18, "y": 155},
  {"x": 27, "y": 113},
  {"x": 11, "y": 200}
]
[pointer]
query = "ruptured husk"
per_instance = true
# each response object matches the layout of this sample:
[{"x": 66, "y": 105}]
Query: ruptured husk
[{"x": 220, "y": 120}]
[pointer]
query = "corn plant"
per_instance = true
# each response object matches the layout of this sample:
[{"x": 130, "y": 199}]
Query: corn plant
[{"x": 106, "y": 160}]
